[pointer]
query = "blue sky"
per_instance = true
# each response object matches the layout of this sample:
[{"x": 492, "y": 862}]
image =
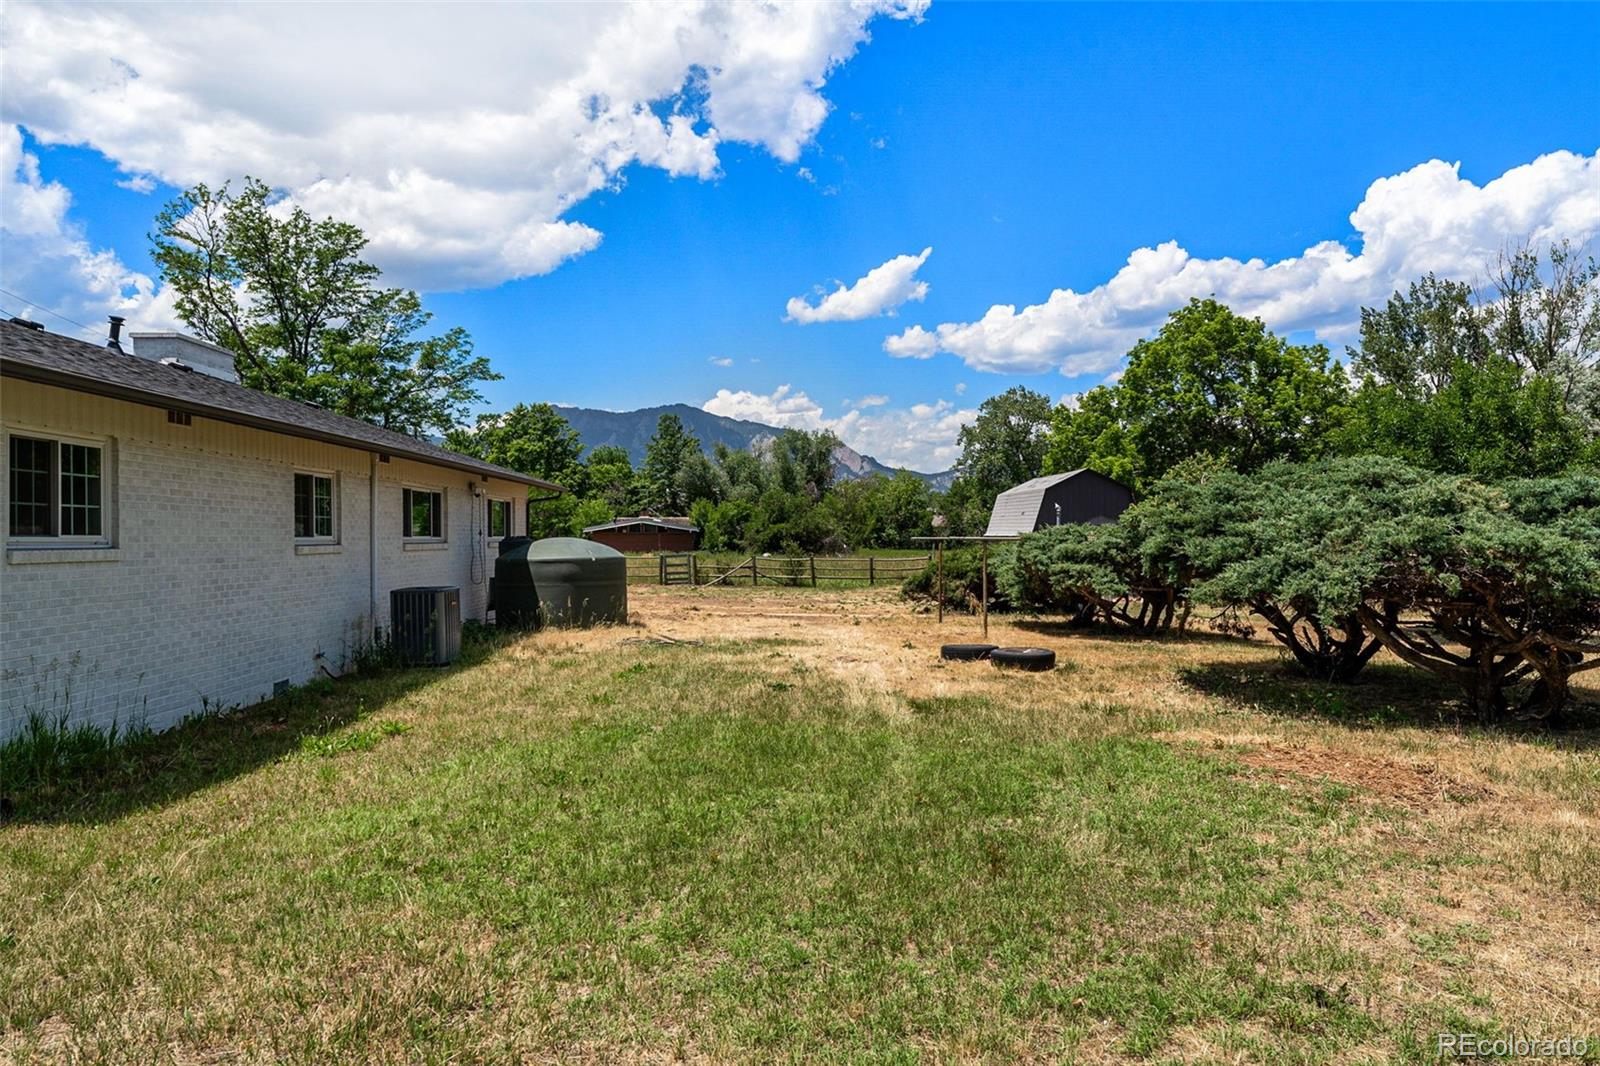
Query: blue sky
[{"x": 1033, "y": 148}]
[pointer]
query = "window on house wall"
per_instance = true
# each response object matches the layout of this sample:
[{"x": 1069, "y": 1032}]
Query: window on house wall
[
  {"x": 56, "y": 488},
  {"x": 499, "y": 518},
  {"x": 424, "y": 513},
  {"x": 313, "y": 507}
]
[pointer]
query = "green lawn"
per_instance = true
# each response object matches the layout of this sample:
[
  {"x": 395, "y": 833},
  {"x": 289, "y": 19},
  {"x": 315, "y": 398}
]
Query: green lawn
[{"x": 707, "y": 851}]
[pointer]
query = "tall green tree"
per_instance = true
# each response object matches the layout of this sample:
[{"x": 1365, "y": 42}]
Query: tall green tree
[
  {"x": 746, "y": 473},
  {"x": 610, "y": 477},
  {"x": 533, "y": 439},
  {"x": 1414, "y": 343},
  {"x": 665, "y": 457},
  {"x": 304, "y": 315},
  {"x": 1091, "y": 433},
  {"x": 1003, "y": 446},
  {"x": 1496, "y": 387},
  {"x": 1545, "y": 317},
  {"x": 701, "y": 479},
  {"x": 880, "y": 512},
  {"x": 802, "y": 462},
  {"x": 1211, "y": 382},
  {"x": 1490, "y": 420}
]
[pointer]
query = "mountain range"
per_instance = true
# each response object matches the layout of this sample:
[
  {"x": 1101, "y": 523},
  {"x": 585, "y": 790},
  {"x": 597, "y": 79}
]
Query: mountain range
[{"x": 632, "y": 431}]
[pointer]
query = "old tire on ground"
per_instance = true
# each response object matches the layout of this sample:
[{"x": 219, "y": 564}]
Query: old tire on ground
[
  {"x": 1036, "y": 659},
  {"x": 966, "y": 652}
]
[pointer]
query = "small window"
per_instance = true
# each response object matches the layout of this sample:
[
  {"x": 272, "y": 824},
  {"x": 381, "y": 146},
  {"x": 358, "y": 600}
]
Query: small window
[
  {"x": 424, "y": 513},
  {"x": 313, "y": 507},
  {"x": 56, "y": 488},
  {"x": 499, "y": 518}
]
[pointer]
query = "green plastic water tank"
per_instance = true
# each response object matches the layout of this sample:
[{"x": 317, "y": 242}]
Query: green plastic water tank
[
  {"x": 559, "y": 581},
  {"x": 516, "y": 604}
]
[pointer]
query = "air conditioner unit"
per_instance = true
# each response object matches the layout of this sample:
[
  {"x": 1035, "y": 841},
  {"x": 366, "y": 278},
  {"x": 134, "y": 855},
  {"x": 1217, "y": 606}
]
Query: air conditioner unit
[{"x": 425, "y": 624}]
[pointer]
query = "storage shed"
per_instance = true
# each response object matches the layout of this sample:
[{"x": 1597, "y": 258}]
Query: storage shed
[
  {"x": 1058, "y": 499},
  {"x": 646, "y": 533}
]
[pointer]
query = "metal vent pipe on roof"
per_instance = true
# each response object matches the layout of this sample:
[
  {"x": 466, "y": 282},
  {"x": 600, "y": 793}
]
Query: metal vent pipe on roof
[{"x": 115, "y": 343}]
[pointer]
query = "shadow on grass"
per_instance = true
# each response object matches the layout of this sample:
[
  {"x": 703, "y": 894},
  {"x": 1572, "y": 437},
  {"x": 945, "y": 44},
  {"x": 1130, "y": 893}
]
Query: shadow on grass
[
  {"x": 1057, "y": 627},
  {"x": 102, "y": 782},
  {"x": 1385, "y": 695}
]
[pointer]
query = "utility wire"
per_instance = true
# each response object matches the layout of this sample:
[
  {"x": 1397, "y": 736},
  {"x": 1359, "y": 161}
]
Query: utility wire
[{"x": 46, "y": 310}]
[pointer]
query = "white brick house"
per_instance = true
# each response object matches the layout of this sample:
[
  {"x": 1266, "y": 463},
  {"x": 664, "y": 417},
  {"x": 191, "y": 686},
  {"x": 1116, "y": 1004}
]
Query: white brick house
[{"x": 175, "y": 541}]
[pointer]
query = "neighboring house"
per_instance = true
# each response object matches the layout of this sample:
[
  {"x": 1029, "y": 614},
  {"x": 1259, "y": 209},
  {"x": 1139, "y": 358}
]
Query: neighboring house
[
  {"x": 175, "y": 541},
  {"x": 1058, "y": 499},
  {"x": 646, "y": 533}
]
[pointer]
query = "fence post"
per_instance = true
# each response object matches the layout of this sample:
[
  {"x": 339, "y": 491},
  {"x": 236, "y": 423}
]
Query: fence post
[
  {"x": 694, "y": 570},
  {"x": 872, "y": 575},
  {"x": 661, "y": 568},
  {"x": 755, "y": 572},
  {"x": 983, "y": 590}
]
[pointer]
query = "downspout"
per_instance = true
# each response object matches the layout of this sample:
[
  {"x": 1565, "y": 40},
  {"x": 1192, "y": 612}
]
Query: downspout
[
  {"x": 527, "y": 507},
  {"x": 372, "y": 545}
]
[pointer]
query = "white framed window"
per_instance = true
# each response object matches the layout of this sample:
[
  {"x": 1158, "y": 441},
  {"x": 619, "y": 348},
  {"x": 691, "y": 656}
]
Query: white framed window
[
  {"x": 316, "y": 504},
  {"x": 499, "y": 518},
  {"x": 423, "y": 514},
  {"x": 58, "y": 489}
]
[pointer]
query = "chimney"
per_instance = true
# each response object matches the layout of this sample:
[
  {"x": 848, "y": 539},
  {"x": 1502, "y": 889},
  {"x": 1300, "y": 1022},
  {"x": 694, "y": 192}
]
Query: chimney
[
  {"x": 186, "y": 353},
  {"x": 115, "y": 343}
]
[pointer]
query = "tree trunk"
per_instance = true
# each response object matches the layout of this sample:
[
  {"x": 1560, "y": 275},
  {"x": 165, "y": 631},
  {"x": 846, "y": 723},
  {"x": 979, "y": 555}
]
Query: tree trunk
[
  {"x": 1481, "y": 677},
  {"x": 1336, "y": 654}
]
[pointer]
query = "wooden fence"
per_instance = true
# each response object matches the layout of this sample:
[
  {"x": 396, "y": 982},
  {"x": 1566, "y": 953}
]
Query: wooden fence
[{"x": 794, "y": 572}]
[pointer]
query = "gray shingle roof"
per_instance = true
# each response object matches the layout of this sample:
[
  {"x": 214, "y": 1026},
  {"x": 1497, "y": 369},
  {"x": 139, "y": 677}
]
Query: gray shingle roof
[
  {"x": 49, "y": 358},
  {"x": 1016, "y": 510}
]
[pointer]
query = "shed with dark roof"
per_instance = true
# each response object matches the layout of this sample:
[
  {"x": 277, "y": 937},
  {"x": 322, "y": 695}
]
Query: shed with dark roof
[{"x": 1078, "y": 496}]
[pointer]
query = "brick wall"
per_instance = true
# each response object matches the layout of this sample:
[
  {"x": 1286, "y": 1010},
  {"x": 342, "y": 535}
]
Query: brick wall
[{"x": 205, "y": 600}]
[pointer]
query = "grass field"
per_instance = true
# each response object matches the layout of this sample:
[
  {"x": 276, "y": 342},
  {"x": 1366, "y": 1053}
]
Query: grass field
[{"x": 796, "y": 833}]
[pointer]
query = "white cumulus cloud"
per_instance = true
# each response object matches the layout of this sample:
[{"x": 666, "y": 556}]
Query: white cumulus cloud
[
  {"x": 1428, "y": 218},
  {"x": 720, "y": 361},
  {"x": 457, "y": 140},
  {"x": 912, "y": 343},
  {"x": 921, "y": 436},
  {"x": 784, "y": 407},
  {"x": 878, "y": 292},
  {"x": 48, "y": 259}
]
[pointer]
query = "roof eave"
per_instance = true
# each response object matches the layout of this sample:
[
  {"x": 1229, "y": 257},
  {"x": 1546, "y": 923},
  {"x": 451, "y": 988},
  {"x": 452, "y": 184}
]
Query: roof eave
[
  {"x": 47, "y": 376},
  {"x": 624, "y": 523}
]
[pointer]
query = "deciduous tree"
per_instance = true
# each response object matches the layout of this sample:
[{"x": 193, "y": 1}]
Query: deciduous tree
[
  {"x": 1209, "y": 383},
  {"x": 1003, "y": 446},
  {"x": 1497, "y": 386},
  {"x": 532, "y": 438},
  {"x": 304, "y": 315},
  {"x": 665, "y": 457}
]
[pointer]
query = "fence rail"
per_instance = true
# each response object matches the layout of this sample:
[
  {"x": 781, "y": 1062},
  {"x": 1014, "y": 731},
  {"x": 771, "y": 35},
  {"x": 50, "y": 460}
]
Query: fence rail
[{"x": 790, "y": 571}]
